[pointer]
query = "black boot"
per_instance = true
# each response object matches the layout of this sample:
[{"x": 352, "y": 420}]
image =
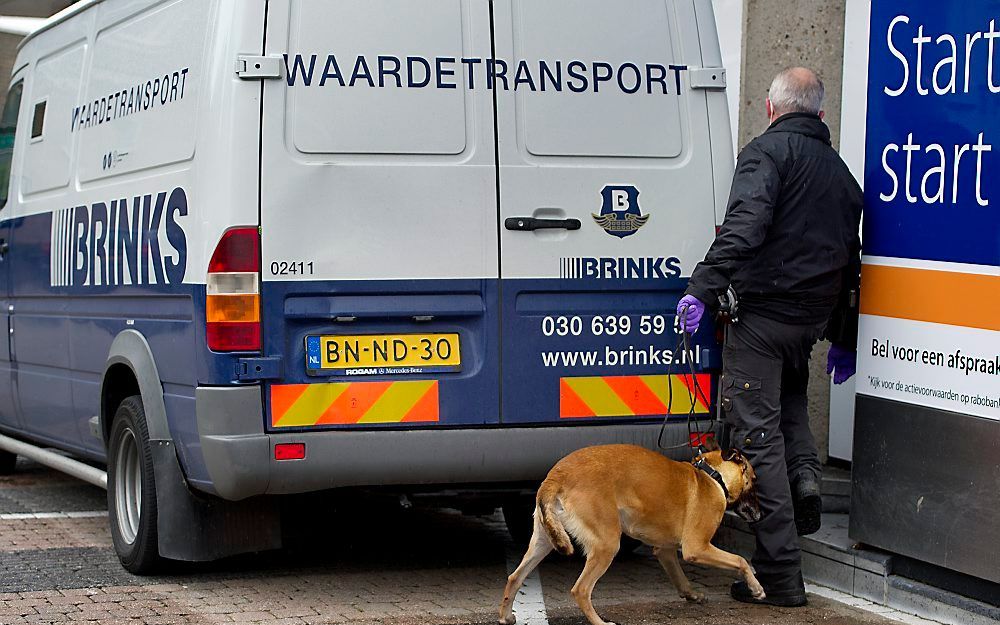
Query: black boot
[
  {"x": 781, "y": 589},
  {"x": 808, "y": 504}
]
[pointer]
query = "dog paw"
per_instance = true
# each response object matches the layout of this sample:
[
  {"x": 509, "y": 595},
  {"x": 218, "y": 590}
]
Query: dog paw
[
  {"x": 695, "y": 597},
  {"x": 509, "y": 620},
  {"x": 758, "y": 594}
]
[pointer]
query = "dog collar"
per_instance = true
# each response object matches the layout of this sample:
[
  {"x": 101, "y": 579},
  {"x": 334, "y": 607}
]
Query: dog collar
[{"x": 712, "y": 473}]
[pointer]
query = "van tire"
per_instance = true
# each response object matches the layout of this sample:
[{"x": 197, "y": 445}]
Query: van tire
[
  {"x": 132, "y": 490},
  {"x": 7, "y": 462}
]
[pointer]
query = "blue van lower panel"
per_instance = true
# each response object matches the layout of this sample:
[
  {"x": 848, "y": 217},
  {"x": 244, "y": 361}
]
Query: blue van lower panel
[
  {"x": 469, "y": 396},
  {"x": 547, "y": 344},
  {"x": 61, "y": 329}
]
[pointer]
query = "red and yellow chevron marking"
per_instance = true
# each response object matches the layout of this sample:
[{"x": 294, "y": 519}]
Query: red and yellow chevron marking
[
  {"x": 632, "y": 395},
  {"x": 350, "y": 403}
]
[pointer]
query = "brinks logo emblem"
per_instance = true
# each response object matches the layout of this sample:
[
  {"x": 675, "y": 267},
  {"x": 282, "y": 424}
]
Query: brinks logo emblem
[{"x": 620, "y": 214}]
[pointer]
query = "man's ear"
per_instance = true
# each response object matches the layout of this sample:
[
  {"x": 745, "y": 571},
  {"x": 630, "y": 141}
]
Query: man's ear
[
  {"x": 822, "y": 114},
  {"x": 769, "y": 108}
]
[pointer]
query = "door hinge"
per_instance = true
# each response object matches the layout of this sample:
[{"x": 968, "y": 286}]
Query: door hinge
[
  {"x": 268, "y": 368},
  {"x": 712, "y": 78},
  {"x": 258, "y": 67}
]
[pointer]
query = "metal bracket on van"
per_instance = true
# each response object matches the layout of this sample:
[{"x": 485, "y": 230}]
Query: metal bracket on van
[
  {"x": 258, "y": 67},
  {"x": 267, "y": 368},
  {"x": 711, "y": 78}
]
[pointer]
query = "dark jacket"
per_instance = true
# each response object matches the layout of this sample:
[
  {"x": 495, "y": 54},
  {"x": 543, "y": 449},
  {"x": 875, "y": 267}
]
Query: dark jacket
[{"x": 789, "y": 244}]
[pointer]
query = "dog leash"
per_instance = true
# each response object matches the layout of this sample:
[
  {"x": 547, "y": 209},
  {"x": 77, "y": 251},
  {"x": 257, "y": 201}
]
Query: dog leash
[{"x": 694, "y": 392}]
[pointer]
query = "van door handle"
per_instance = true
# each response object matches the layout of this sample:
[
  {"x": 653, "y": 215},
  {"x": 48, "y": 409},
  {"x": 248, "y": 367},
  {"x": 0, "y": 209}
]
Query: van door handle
[
  {"x": 533, "y": 223},
  {"x": 4, "y": 248}
]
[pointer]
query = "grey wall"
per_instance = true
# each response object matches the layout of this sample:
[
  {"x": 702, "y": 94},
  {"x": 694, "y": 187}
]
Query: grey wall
[{"x": 780, "y": 34}]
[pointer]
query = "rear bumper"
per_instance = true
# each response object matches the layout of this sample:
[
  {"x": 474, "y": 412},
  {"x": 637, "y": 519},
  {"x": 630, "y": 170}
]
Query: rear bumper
[{"x": 239, "y": 455}]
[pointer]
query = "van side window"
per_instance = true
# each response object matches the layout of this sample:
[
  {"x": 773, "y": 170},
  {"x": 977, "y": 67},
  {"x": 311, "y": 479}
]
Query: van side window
[
  {"x": 8, "y": 126},
  {"x": 38, "y": 120}
]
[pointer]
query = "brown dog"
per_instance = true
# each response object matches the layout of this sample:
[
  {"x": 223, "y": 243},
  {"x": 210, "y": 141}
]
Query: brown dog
[{"x": 595, "y": 494}]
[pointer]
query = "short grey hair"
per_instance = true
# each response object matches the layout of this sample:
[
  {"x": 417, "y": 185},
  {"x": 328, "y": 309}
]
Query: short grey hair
[{"x": 797, "y": 90}]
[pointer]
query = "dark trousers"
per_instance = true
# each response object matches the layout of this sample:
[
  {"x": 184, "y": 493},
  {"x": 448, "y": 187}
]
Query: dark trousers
[{"x": 764, "y": 383}]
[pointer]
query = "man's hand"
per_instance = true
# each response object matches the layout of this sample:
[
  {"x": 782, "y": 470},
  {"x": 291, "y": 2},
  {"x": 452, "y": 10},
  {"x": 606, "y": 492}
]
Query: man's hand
[
  {"x": 842, "y": 362},
  {"x": 690, "y": 310}
]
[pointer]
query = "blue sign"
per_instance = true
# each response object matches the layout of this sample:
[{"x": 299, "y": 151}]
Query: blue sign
[{"x": 932, "y": 171}]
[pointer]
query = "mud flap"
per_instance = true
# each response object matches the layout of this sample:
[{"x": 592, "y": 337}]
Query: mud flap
[{"x": 197, "y": 528}]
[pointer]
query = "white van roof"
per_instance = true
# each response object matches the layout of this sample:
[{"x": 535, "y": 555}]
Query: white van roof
[{"x": 59, "y": 17}]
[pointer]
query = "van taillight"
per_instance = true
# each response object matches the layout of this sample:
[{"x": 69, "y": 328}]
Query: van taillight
[{"x": 232, "y": 301}]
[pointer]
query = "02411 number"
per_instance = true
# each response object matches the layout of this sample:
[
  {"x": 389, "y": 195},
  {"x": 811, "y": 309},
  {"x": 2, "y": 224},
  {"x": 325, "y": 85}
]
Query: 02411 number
[{"x": 291, "y": 268}]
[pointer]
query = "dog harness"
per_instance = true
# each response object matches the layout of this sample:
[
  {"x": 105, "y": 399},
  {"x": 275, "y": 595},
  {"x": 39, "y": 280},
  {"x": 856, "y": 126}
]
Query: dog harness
[{"x": 712, "y": 473}]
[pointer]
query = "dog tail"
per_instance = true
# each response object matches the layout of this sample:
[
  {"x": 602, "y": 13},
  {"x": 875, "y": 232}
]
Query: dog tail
[{"x": 547, "y": 496}]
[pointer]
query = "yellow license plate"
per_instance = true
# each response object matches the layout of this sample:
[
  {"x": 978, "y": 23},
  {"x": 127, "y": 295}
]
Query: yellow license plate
[{"x": 382, "y": 354}]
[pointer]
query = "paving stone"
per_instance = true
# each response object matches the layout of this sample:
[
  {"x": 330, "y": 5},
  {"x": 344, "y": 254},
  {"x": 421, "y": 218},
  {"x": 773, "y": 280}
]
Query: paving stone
[{"x": 369, "y": 566}]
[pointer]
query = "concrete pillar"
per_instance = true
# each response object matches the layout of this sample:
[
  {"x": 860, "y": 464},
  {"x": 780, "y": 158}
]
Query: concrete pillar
[
  {"x": 782, "y": 33},
  {"x": 779, "y": 34}
]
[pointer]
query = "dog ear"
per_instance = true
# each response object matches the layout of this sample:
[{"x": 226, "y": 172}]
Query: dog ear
[{"x": 731, "y": 455}]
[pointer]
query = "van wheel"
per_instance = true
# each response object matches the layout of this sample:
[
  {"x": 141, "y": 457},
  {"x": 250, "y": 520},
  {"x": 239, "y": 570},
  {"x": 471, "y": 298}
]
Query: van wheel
[
  {"x": 131, "y": 490},
  {"x": 7, "y": 462}
]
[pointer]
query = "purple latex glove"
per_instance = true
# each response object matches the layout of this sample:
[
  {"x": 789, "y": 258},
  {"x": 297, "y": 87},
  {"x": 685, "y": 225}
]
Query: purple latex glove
[
  {"x": 695, "y": 311},
  {"x": 842, "y": 362}
]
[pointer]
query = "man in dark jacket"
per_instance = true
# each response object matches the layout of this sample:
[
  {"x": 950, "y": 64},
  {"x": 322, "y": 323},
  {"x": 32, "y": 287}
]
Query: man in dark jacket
[{"x": 789, "y": 248}]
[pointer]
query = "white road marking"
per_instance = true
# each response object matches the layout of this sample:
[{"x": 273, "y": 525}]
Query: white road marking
[
  {"x": 20, "y": 516},
  {"x": 529, "y": 604}
]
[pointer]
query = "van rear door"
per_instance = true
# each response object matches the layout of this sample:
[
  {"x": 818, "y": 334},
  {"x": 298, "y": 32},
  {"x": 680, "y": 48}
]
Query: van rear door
[
  {"x": 378, "y": 216},
  {"x": 606, "y": 201}
]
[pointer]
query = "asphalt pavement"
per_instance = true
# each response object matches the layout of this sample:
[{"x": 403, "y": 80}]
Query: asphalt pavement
[{"x": 345, "y": 561}]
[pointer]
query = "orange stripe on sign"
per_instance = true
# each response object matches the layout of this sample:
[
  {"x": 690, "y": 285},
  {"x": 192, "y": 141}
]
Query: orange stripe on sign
[
  {"x": 636, "y": 394},
  {"x": 570, "y": 404},
  {"x": 283, "y": 396},
  {"x": 950, "y": 298},
  {"x": 426, "y": 409},
  {"x": 632, "y": 396},
  {"x": 353, "y": 403},
  {"x": 698, "y": 391}
]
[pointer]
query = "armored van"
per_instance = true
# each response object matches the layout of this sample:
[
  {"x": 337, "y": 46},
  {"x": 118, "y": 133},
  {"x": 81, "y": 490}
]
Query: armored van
[{"x": 254, "y": 248}]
